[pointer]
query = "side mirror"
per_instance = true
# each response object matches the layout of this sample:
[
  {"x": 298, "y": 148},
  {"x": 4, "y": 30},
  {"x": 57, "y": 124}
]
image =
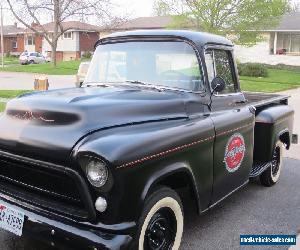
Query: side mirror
[{"x": 218, "y": 84}]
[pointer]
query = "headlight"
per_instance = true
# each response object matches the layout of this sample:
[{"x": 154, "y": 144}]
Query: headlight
[{"x": 97, "y": 172}]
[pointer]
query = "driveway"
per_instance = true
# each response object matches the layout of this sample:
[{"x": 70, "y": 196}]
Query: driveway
[
  {"x": 294, "y": 101},
  {"x": 16, "y": 80},
  {"x": 253, "y": 210}
]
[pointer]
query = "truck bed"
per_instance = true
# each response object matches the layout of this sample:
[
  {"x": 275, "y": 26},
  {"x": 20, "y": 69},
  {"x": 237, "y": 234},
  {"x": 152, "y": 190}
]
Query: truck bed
[{"x": 262, "y": 99}]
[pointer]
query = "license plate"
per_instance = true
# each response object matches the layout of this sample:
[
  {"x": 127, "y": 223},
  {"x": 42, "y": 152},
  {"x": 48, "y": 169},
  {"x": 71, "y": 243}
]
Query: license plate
[{"x": 11, "y": 220}]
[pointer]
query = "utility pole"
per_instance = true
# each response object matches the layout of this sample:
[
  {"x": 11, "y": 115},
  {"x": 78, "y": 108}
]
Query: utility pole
[{"x": 2, "y": 43}]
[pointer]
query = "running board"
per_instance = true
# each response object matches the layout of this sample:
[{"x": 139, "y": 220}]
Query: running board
[{"x": 257, "y": 169}]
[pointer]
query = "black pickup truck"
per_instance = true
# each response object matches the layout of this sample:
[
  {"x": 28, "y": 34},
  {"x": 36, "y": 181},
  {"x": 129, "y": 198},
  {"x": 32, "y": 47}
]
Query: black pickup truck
[{"x": 103, "y": 166}]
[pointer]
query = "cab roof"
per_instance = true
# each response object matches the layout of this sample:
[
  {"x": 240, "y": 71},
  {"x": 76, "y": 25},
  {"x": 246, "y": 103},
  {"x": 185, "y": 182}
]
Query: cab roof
[{"x": 199, "y": 38}]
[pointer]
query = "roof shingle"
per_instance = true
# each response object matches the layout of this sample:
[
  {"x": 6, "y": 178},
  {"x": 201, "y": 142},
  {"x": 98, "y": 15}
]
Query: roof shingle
[
  {"x": 70, "y": 25},
  {"x": 156, "y": 22},
  {"x": 289, "y": 22},
  {"x": 12, "y": 30}
]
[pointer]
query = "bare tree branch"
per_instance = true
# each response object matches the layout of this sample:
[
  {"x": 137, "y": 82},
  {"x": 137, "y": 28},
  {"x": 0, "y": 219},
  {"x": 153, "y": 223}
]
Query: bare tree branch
[{"x": 28, "y": 12}]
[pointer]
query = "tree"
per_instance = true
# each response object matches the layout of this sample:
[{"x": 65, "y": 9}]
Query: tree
[
  {"x": 241, "y": 18},
  {"x": 295, "y": 7},
  {"x": 161, "y": 8},
  {"x": 28, "y": 12}
]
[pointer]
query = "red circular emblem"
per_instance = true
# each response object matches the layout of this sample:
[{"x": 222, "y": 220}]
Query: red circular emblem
[{"x": 234, "y": 152}]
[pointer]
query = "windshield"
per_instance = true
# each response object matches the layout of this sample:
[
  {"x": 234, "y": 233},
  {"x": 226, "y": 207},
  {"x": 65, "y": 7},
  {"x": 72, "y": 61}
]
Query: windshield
[{"x": 169, "y": 64}]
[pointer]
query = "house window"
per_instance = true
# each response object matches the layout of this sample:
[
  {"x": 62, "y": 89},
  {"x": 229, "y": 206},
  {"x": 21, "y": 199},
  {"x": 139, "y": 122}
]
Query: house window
[
  {"x": 288, "y": 43},
  {"x": 30, "y": 40},
  {"x": 68, "y": 35},
  {"x": 14, "y": 44}
]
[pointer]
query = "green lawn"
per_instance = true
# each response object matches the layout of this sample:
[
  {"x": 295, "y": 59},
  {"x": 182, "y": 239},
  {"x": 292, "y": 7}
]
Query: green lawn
[
  {"x": 11, "y": 60},
  {"x": 254, "y": 86},
  {"x": 9, "y": 94},
  {"x": 12, "y": 93},
  {"x": 278, "y": 80},
  {"x": 62, "y": 68},
  {"x": 2, "y": 106}
]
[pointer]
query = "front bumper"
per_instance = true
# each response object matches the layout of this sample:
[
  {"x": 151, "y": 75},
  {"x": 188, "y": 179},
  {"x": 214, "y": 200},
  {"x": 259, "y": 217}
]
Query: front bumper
[{"x": 73, "y": 235}]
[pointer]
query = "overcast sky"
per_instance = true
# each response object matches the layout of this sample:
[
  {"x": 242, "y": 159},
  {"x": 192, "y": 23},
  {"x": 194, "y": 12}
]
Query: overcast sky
[{"x": 135, "y": 8}]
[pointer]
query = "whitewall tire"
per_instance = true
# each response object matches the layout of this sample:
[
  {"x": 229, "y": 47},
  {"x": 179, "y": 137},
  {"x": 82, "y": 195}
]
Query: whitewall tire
[
  {"x": 271, "y": 175},
  {"x": 161, "y": 224}
]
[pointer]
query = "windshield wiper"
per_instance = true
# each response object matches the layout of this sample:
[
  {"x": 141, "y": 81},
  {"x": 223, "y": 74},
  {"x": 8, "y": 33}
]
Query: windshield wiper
[
  {"x": 137, "y": 82},
  {"x": 150, "y": 85},
  {"x": 96, "y": 84}
]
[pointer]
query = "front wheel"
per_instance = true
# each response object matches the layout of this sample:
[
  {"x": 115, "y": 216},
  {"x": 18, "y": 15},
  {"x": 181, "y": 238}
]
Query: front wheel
[
  {"x": 271, "y": 175},
  {"x": 161, "y": 223}
]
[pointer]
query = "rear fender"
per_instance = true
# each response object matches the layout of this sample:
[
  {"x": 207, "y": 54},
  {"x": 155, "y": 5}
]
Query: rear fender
[
  {"x": 285, "y": 136},
  {"x": 272, "y": 124}
]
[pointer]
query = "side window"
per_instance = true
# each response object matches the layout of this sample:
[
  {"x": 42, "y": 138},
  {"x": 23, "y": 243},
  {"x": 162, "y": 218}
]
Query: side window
[{"x": 218, "y": 63}]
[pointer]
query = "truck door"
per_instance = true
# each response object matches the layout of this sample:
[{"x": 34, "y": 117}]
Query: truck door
[{"x": 234, "y": 126}]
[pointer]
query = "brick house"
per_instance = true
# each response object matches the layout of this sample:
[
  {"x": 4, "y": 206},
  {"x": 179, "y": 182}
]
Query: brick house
[
  {"x": 13, "y": 39},
  {"x": 79, "y": 39}
]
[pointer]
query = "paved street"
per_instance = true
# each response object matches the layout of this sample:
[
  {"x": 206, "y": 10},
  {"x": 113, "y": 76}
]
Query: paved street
[
  {"x": 253, "y": 210},
  {"x": 16, "y": 80}
]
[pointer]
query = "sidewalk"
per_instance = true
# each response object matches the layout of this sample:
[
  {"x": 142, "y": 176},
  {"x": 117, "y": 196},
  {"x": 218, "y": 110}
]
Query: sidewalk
[
  {"x": 294, "y": 101},
  {"x": 19, "y": 80},
  {"x": 4, "y": 99}
]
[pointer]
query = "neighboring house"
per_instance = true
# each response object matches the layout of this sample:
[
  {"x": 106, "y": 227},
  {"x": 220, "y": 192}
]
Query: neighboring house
[
  {"x": 156, "y": 22},
  {"x": 13, "y": 39},
  {"x": 79, "y": 39},
  {"x": 280, "y": 45}
]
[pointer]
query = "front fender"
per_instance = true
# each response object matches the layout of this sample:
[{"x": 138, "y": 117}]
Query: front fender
[
  {"x": 140, "y": 156},
  {"x": 158, "y": 177}
]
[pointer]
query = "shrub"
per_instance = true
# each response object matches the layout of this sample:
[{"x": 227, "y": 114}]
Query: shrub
[
  {"x": 8, "y": 54},
  {"x": 284, "y": 67},
  {"x": 253, "y": 69},
  {"x": 87, "y": 55}
]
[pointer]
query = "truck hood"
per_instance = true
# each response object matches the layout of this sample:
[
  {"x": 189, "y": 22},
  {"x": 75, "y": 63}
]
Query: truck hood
[{"x": 47, "y": 125}]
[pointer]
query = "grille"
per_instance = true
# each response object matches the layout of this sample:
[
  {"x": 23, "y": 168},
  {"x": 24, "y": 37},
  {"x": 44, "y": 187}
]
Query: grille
[{"x": 40, "y": 186}]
